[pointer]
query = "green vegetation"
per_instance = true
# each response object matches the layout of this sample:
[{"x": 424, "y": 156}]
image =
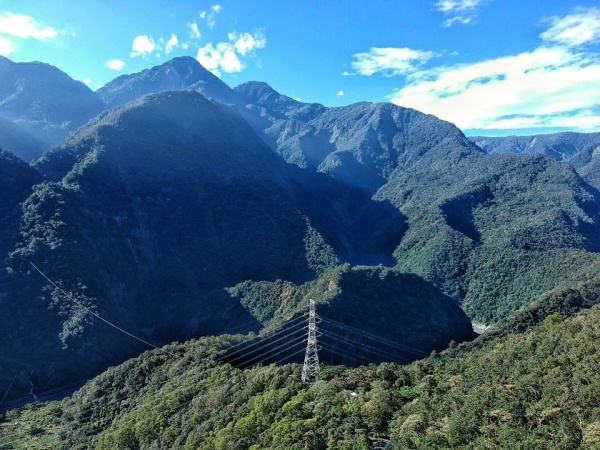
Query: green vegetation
[
  {"x": 496, "y": 231},
  {"x": 415, "y": 314},
  {"x": 538, "y": 389}
]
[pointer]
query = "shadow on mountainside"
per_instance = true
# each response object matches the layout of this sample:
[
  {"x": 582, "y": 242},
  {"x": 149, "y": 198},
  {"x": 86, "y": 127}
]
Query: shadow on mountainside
[{"x": 361, "y": 230}]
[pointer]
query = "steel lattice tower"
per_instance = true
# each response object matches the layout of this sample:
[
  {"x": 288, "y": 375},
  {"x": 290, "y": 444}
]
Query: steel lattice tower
[{"x": 311, "y": 369}]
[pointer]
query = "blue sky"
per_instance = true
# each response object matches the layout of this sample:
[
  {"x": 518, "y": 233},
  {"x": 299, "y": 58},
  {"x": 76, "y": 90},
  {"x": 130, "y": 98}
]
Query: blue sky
[{"x": 493, "y": 67}]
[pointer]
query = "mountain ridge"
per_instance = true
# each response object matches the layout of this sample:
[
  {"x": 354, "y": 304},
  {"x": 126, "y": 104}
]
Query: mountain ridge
[
  {"x": 182, "y": 73},
  {"x": 154, "y": 211},
  {"x": 44, "y": 101}
]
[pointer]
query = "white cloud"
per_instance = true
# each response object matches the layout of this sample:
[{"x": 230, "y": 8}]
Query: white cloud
[
  {"x": 142, "y": 46},
  {"x": 221, "y": 57},
  {"x": 247, "y": 42},
  {"x": 498, "y": 93},
  {"x": 390, "y": 61},
  {"x": 194, "y": 31},
  {"x": 171, "y": 44},
  {"x": 458, "y": 11},
  {"x": 539, "y": 88},
  {"x": 555, "y": 85},
  {"x": 24, "y": 27},
  {"x": 115, "y": 64},
  {"x": 575, "y": 29},
  {"x": 456, "y": 5},
  {"x": 210, "y": 16},
  {"x": 340, "y": 93},
  {"x": 87, "y": 81},
  {"x": 6, "y": 46},
  {"x": 226, "y": 56}
]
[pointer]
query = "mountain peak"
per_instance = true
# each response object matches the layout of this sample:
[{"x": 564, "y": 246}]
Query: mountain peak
[
  {"x": 181, "y": 73},
  {"x": 44, "y": 102}
]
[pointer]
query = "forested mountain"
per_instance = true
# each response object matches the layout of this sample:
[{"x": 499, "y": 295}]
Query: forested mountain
[
  {"x": 492, "y": 231},
  {"x": 193, "y": 209},
  {"x": 559, "y": 146},
  {"x": 149, "y": 212},
  {"x": 43, "y": 101},
  {"x": 360, "y": 144}
]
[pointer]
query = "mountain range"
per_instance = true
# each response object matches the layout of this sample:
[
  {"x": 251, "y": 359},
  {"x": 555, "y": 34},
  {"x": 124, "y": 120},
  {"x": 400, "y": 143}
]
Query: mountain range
[
  {"x": 560, "y": 146},
  {"x": 178, "y": 207}
]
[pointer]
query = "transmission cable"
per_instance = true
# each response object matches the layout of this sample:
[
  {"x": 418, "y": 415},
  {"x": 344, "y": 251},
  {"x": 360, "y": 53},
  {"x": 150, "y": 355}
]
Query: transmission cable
[
  {"x": 339, "y": 351},
  {"x": 10, "y": 386},
  {"x": 360, "y": 346},
  {"x": 287, "y": 348},
  {"x": 374, "y": 337},
  {"x": 254, "y": 342},
  {"x": 267, "y": 344},
  {"x": 70, "y": 297},
  {"x": 261, "y": 336}
]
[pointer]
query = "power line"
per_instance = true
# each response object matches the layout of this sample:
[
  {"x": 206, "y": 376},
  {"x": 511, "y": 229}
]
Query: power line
[
  {"x": 288, "y": 348},
  {"x": 311, "y": 368},
  {"x": 254, "y": 354},
  {"x": 270, "y": 334},
  {"x": 70, "y": 297},
  {"x": 362, "y": 346},
  {"x": 10, "y": 386},
  {"x": 339, "y": 351},
  {"x": 415, "y": 351},
  {"x": 267, "y": 344}
]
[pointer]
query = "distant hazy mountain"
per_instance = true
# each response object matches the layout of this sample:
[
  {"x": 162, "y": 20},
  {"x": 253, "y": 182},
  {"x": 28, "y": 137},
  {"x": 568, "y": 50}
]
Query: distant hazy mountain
[
  {"x": 44, "y": 101},
  {"x": 183, "y": 73},
  {"x": 559, "y": 146},
  {"x": 19, "y": 141}
]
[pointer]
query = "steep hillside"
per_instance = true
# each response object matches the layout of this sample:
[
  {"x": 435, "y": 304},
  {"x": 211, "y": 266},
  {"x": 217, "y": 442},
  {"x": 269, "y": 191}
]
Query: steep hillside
[
  {"x": 510, "y": 229},
  {"x": 149, "y": 213},
  {"x": 16, "y": 181},
  {"x": 539, "y": 389},
  {"x": 44, "y": 101},
  {"x": 361, "y": 144},
  {"x": 366, "y": 315},
  {"x": 558, "y": 146},
  {"x": 587, "y": 164},
  {"x": 183, "y": 73},
  {"x": 175, "y": 216},
  {"x": 145, "y": 217},
  {"x": 492, "y": 231}
]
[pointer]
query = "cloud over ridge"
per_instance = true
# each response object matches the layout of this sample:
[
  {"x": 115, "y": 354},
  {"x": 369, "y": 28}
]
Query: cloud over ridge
[{"x": 226, "y": 56}]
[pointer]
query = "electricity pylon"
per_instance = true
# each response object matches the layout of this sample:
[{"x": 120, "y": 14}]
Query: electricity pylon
[{"x": 311, "y": 369}]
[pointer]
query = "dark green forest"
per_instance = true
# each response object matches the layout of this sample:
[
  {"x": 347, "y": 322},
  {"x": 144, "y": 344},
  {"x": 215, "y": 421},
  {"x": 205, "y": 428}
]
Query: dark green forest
[{"x": 160, "y": 249}]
